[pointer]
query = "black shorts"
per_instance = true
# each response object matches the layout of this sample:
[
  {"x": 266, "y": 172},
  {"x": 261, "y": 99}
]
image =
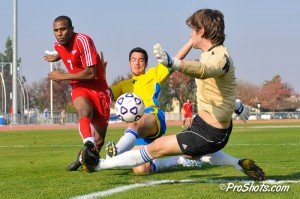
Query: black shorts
[{"x": 201, "y": 138}]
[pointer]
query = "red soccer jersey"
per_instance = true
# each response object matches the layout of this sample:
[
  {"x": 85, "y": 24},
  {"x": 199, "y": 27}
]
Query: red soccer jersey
[
  {"x": 188, "y": 108},
  {"x": 79, "y": 54}
]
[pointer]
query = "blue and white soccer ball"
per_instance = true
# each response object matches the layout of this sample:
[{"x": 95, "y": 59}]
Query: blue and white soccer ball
[{"x": 129, "y": 107}]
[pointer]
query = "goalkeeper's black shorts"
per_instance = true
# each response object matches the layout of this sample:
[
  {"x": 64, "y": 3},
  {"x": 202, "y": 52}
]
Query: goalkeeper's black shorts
[{"x": 201, "y": 138}]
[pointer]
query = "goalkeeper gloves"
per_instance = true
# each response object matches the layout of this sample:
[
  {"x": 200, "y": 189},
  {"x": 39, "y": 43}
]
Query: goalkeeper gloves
[
  {"x": 241, "y": 110},
  {"x": 48, "y": 52},
  {"x": 164, "y": 58}
]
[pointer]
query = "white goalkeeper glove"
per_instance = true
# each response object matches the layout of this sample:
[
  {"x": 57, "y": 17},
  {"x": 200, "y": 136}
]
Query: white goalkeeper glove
[
  {"x": 241, "y": 110},
  {"x": 164, "y": 58},
  {"x": 48, "y": 52}
]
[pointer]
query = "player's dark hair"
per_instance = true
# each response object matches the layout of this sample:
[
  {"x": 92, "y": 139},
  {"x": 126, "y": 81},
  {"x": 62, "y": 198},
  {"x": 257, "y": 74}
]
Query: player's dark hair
[
  {"x": 139, "y": 50},
  {"x": 64, "y": 18},
  {"x": 212, "y": 21}
]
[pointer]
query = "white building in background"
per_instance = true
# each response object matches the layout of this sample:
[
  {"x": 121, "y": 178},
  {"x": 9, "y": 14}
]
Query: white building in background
[
  {"x": 175, "y": 106},
  {"x": 175, "y": 114}
]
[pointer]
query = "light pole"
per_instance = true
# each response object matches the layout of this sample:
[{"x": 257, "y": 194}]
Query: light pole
[
  {"x": 51, "y": 85},
  {"x": 3, "y": 85},
  {"x": 27, "y": 107},
  {"x": 25, "y": 98},
  {"x": 23, "y": 92},
  {"x": 15, "y": 63},
  {"x": 3, "y": 94}
]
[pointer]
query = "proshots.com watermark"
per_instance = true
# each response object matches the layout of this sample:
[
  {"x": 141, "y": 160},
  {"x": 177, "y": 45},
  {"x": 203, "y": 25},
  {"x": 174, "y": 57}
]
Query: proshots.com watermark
[{"x": 252, "y": 187}]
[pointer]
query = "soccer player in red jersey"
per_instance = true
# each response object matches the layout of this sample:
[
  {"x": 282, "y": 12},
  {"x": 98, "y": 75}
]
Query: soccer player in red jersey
[
  {"x": 187, "y": 112},
  {"x": 86, "y": 73}
]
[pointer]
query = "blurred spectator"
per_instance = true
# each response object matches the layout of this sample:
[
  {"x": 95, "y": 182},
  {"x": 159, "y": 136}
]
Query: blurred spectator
[
  {"x": 187, "y": 112},
  {"x": 62, "y": 117}
]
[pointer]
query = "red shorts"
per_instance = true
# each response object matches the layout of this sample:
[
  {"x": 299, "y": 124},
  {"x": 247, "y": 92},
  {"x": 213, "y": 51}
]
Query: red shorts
[
  {"x": 100, "y": 100},
  {"x": 187, "y": 115}
]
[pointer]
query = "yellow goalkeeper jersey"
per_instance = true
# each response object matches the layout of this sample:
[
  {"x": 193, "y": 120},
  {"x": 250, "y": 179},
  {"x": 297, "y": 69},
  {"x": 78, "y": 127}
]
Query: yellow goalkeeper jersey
[{"x": 147, "y": 86}]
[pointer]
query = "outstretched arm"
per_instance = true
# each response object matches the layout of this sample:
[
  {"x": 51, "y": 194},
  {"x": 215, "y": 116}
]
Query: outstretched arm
[
  {"x": 195, "y": 69},
  {"x": 86, "y": 74},
  {"x": 103, "y": 63},
  {"x": 185, "y": 49}
]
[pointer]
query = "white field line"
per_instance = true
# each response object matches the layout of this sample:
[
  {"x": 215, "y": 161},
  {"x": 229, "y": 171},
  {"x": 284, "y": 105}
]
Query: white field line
[
  {"x": 57, "y": 145},
  {"x": 263, "y": 144},
  {"x": 265, "y": 127},
  {"x": 39, "y": 146},
  {"x": 152, "y": 183}
]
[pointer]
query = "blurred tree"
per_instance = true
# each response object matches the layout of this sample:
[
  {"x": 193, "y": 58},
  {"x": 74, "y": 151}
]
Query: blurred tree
[
  {"x": 166, "y": 96},
  {"x": 247, "y": 92},
  {"x": 40, "y": 93},
  {"x": 182, "y": 87},
  {"x": 192, "y": 88},
  {"x": 70, "y": 108},
  {"x": 121, "y": 78},
  {"x": 274, "y": 92}
]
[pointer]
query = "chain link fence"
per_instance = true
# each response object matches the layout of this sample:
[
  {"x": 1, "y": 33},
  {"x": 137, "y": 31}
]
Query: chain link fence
[{"x": 39, "y": 118}]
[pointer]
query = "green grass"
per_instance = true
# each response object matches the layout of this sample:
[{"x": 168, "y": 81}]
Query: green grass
[{"x": 33, "y": 165}]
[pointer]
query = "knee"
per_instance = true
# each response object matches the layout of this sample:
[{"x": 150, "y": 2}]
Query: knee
[{"x": 83, "y": 111}]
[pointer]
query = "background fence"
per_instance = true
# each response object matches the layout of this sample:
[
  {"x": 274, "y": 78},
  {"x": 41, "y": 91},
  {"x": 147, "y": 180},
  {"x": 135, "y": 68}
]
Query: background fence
[{"x": 39, "y": 118}]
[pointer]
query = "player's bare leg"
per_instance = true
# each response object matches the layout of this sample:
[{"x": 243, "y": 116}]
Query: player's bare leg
[{"x": 86, "y": 130}]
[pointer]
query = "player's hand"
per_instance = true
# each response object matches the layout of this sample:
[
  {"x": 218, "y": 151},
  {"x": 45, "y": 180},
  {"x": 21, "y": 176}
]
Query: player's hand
[
  {"x": 51, "y": 56},
  {"x": 103, "y": 62},
  {"x": 241, "y": 110},
  {"x": 164, "y": 58},
  {"x": 56, "y": 75}
]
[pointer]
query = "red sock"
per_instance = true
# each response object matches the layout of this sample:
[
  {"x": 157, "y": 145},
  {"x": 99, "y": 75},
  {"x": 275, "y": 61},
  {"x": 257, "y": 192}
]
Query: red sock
[{"x": 85, "y": 128}]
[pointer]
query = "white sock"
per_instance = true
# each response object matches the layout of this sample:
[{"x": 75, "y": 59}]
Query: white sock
[
  {"x": 161, "y": 164},
  {"x": 92, "y": 139},
  {"x": 128, "y": 159},
  {"x": 222, "y": 159},
  {"x": 127, "y": 141}
]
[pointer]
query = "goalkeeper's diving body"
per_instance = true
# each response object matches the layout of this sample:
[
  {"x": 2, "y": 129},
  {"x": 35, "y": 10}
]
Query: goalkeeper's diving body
[
  {"x": 212, "y": 126},
  {"x": 152, "y": 125}
]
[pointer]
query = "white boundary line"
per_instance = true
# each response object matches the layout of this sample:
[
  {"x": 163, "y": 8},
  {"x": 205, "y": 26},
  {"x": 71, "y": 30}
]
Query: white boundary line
[
  {"x": 39, "y": 146},
  {"x": 263, "y": 144},
  {"x": 266, "y": 127},
  {"x": 76, "y": 145},
  {"x": 152, "y": 183}
]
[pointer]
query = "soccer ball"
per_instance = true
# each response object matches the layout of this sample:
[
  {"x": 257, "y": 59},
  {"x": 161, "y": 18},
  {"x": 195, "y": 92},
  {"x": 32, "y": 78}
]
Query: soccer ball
[{"x": 129, "y": 107}]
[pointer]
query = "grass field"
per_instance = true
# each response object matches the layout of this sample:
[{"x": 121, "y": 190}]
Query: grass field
[{"x": 33, "y": 165}]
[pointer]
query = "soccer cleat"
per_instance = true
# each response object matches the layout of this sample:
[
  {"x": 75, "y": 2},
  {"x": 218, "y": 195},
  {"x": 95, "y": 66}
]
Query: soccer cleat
[
  {"x": 111, "y": 150},
  {"x": 252, "y": 170},
  {"x": 190, "y": 163},
  {"x": 90, "y": 157},
  {"x": 76, "y": 163}
]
